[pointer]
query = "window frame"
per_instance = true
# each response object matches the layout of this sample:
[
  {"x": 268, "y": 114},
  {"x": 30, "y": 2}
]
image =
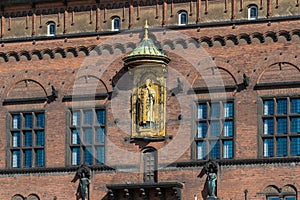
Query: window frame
[
  {"x": 275, "y": 135},
  {"x": 250, "y": 8},
  {"x": 113, "y": 19},
  {"x": 180, "y": 13},
  {"x": 20, "y": 146},
  {"x": 49, "y": 25},
  {"x": 221, "y": 139},
  {"x": 82, "y": 126}
]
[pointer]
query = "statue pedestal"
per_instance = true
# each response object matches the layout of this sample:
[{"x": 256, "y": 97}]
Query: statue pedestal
[{"x": 212, "y": 198}]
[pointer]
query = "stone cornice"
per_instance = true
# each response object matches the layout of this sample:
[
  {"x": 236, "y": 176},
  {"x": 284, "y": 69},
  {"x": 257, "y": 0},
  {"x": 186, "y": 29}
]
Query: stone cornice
[{"x": 205, "y": 41}]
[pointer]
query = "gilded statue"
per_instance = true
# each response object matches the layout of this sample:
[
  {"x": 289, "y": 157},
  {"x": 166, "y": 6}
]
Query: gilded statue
[{"x": 146, "y": 105}]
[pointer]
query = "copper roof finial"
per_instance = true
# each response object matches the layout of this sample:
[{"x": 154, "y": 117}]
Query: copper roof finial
[{"x": 146, "y": 30}]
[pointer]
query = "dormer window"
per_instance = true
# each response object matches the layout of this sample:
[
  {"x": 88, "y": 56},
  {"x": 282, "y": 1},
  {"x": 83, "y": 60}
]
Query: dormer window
[
  {"x": 252, "y": 12},
  {"x": 182, "y": 18},
  {"x": 115, "y": 24},
  {"x": 51, "y": 28}
]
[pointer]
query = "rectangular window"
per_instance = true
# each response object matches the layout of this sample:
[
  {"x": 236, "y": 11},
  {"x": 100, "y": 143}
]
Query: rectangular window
[
  {"x": 87, "y": 140},
  {"x": 28, "y": 141},
  {"x": 268, "y": 147},
  {"x": 282, "y": 146},
  {"x": 201, "y": 150},
  {"x": 280, "y": 127},
  {"x": 215, "y": 130},
  {"x": 295, "y": 146},
  {"x": 228, "y": 149}
]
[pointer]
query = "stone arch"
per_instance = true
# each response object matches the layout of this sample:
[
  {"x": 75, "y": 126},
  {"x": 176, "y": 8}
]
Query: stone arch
[
  {"x": 39, "y": 86},
  {"x": 77, "y": 76},
  {"x": 33, "y": 197},
  {"x": 285, "y": 34},
  {"x": 26, "y": 54},
  {"x": 258, "y": 36},
  {"x": 207, "y": 40},
  {"x": 14, "y": 55},
  {"x": 272, "y": 190},
  {"x": 246, "y": 37},
  {"x": 219, "y": 39},
  {"x": 17, "y": 197},
  {"x": 181, "y": 42},
  {"x": 120, "y": 47},
  {"x": 272, "y": 35},
  {"x": 226, "y": 74},
  {"x": 72, "y": 51},
  {"x": 194, "y": 42},
  {"x": 168, "y": 44},
  {"x": 107, "y": 47},
  {"x": 289, "y": 190},
  {"x": 37, "y": 53},
  {"x": 232, "y": 38},
  {"x": 48, "y": 52},
  {"x": 84, "y": 50},
  {"x": 270, "y": 61},
  {"x": 59, "y": 51},
  {"x": 4, "y": 56}
]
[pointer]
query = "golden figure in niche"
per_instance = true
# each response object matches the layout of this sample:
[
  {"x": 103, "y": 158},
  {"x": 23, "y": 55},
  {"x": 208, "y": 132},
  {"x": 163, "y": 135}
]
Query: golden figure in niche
[{"x": 146, "y": 105}]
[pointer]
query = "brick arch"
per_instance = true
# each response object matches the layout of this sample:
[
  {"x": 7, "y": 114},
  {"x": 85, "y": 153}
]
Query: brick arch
[
  {"x": 230, "y": 75},
  {"x": 11, "y": 83},
  {"x": 70, "y": 80},
  {"x": 264, "y": 64}
]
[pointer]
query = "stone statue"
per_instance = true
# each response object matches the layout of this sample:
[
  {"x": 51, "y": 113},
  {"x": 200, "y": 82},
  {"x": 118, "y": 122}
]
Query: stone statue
[
  {"x": 84, "y": 175},
  {"x": 211, "y": 170},
  {"x": 146, "y": 102}
]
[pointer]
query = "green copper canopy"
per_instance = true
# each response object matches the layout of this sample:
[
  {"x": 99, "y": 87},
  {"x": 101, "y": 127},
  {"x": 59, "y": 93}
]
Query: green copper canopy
[{"x": 146, "y": 51}]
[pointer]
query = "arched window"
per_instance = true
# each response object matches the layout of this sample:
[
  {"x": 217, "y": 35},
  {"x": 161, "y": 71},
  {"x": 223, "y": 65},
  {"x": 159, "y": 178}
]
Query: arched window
[
  {"x": 115, "y": 24},
  {"x": 51, "y": 28},
  {"x": 150, "y": 165},
  {"x": 252, "y": 12},
  {"x": 182, "y": 18}
]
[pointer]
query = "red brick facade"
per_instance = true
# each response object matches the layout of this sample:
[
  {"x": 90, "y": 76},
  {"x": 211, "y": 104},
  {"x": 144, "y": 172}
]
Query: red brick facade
[{"x": 219, "y": 55}]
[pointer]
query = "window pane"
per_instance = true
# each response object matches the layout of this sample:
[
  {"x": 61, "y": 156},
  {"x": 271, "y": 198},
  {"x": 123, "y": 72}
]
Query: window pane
[
  {"x": 281, "y": 146},
  {"x": 273, "y": 198},
  {"x": 268, "y": 126},
  {"x": 215, "y": 129},
  {"x": 228, "y": 109},
  {"x": 75, "y": 136},
  {"x": 116, "y": 23},
  {"x": 202, "y": 111},
  {"x": 16, "y": 121},
  {"x": 100, "y": 134},
  {"x": 88, "y": 136},
  {"x": 40, "y": 158},
  {"x": 100, "y": 116},
  {"x": 183, "y": 18},
  {"x": 268, "y": 147},
  {"x": 289, "y": 198},
  {"x": 52, "y": 29},
  {"x": 215, "y": 110},
  {"x": 295, "y": 105},
  {"x": 201, "y": 150},
  {"x": 75, "y": 156},
  {"x": 28, "y": 120},
  {"x": 295, "y": 146},
  {"x": 281, "y": 125},
  {"x": 28, "y": 139},
  {"x": 88, "y": 117},
  {"x": 228, "y": 149},
  {"x": 16, "y": 160},
  {"x": 215, "y": 149},
  {"x": 202, "y": 128},
  {"x": 281, "y": 106},
  {"x": 16, "y": 139},
  {"x": 40, "y": 120},
  {"x": 268, "y": 107},
  {"x": 295, "y": 124},
  {"x": 88, "y": 155},
  {"x": 76, "y": 118},
  {"x": 100, "y": 154},
  {"x": 28, "y": 158},
  {"x": 253, "y": 12},
  {"x": 228, "y": 128},
  {"x": 40, "y": 138}
]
